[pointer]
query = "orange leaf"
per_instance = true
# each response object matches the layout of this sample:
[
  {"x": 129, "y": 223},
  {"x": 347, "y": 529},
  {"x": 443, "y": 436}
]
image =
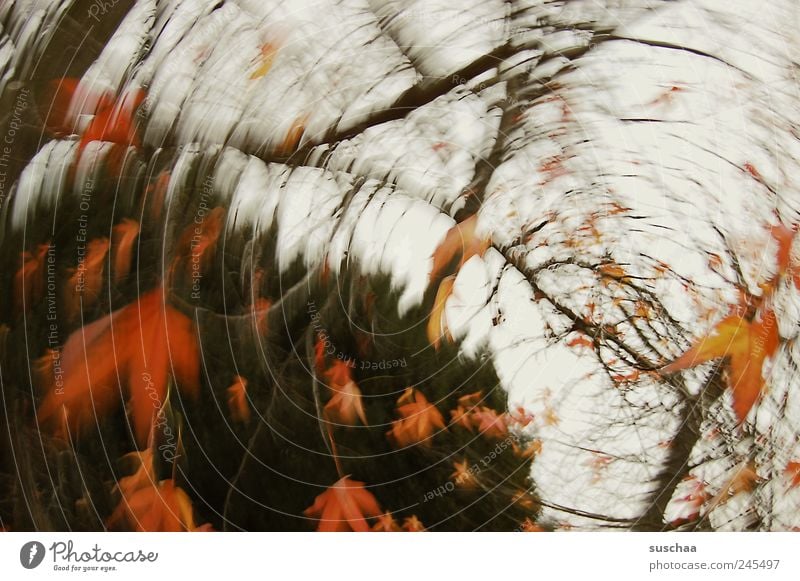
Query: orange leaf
[
  {"x": 238, "y": 405},
  {"x": 164, "y": 507},
  {"x": 122, "y": 238},
  {"x": 437, "y": 323},
  {"x": 729, "y": 336},
  {"x": 265, "y": 60},
  {"x": 141, "y": 344},
  {"x": 386, "y": 524},
  {"x": 792, "y": 471},
  {"x": 419, "y": 421},
  {"x": 490, "y": 423},
  {"x": 464, "y": 476},
  {"x": 198, "y": 241},
  {"x": 345, "y": 406},
  {"x": 344, "y": 507},
  {"x": 460, "y": 241},
  {"x": 413, "y": 525}
]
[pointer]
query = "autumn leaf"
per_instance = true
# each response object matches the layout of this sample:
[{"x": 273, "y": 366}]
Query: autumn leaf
[
  {"x": 115, "y": 121},
  {"x": 413, "y": 525},
  {"x": 386, "y": 524},
  {"x": 461, "y": 242},
  {"x": 344, "y": 507},
  {"x": 164, "y": 507},
  {"x": 528, "y": 526},
  {"x": 463, "y": 475},
  {"x": 489, "y": 423},
  {"x": 792, "y": 471},
  {"x": 122, "y": 238},
  {"x": 693, "y": 501},
  {"x": 142, "y": 344},
  {"x": 743, "y": 479},
  {"x": 197, "y": 243},
  {"x": 747, "y": 345},
  {"x": 419, "y": 421},
  {"x": 437, "y": 323},
  {"x": 345, "y": 406},
  {"x": 527, "y": 451},
  {"x": 265, "y": 60},
  {"x": 238, "y": 404}
]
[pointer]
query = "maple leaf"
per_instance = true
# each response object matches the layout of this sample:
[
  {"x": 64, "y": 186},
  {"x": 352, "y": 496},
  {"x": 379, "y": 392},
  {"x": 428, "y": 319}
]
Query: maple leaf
[
  {"x": 412, "y": 524},
  {"x": 489, "y": 423},
  {"x": 464, "y": 476},
  {"x": 238, "y": 404},
  {"x": 581, "y": 340},
  {"x": 528, "y": 451},
  {"x": 460, "y": 241},
  {"x": 343, "y": 507},
  {"x": 437, "y": 322},
  {"x": 143, "y": 344},
  {"x": 122, "y": 238},
  {"x": 345, "y": 406},
  {"x": 163, "y": 507},
  {"x": 520, "y": 416},
  {"x": 747, "y": 345},
  {"x": 419, "y": 420},
  {"x": 386, "y": 524},
  {"x": 528, "y": 526}
]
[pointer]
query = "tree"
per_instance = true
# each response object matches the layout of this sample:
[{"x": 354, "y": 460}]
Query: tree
[{"x": 505, "y": 266}]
